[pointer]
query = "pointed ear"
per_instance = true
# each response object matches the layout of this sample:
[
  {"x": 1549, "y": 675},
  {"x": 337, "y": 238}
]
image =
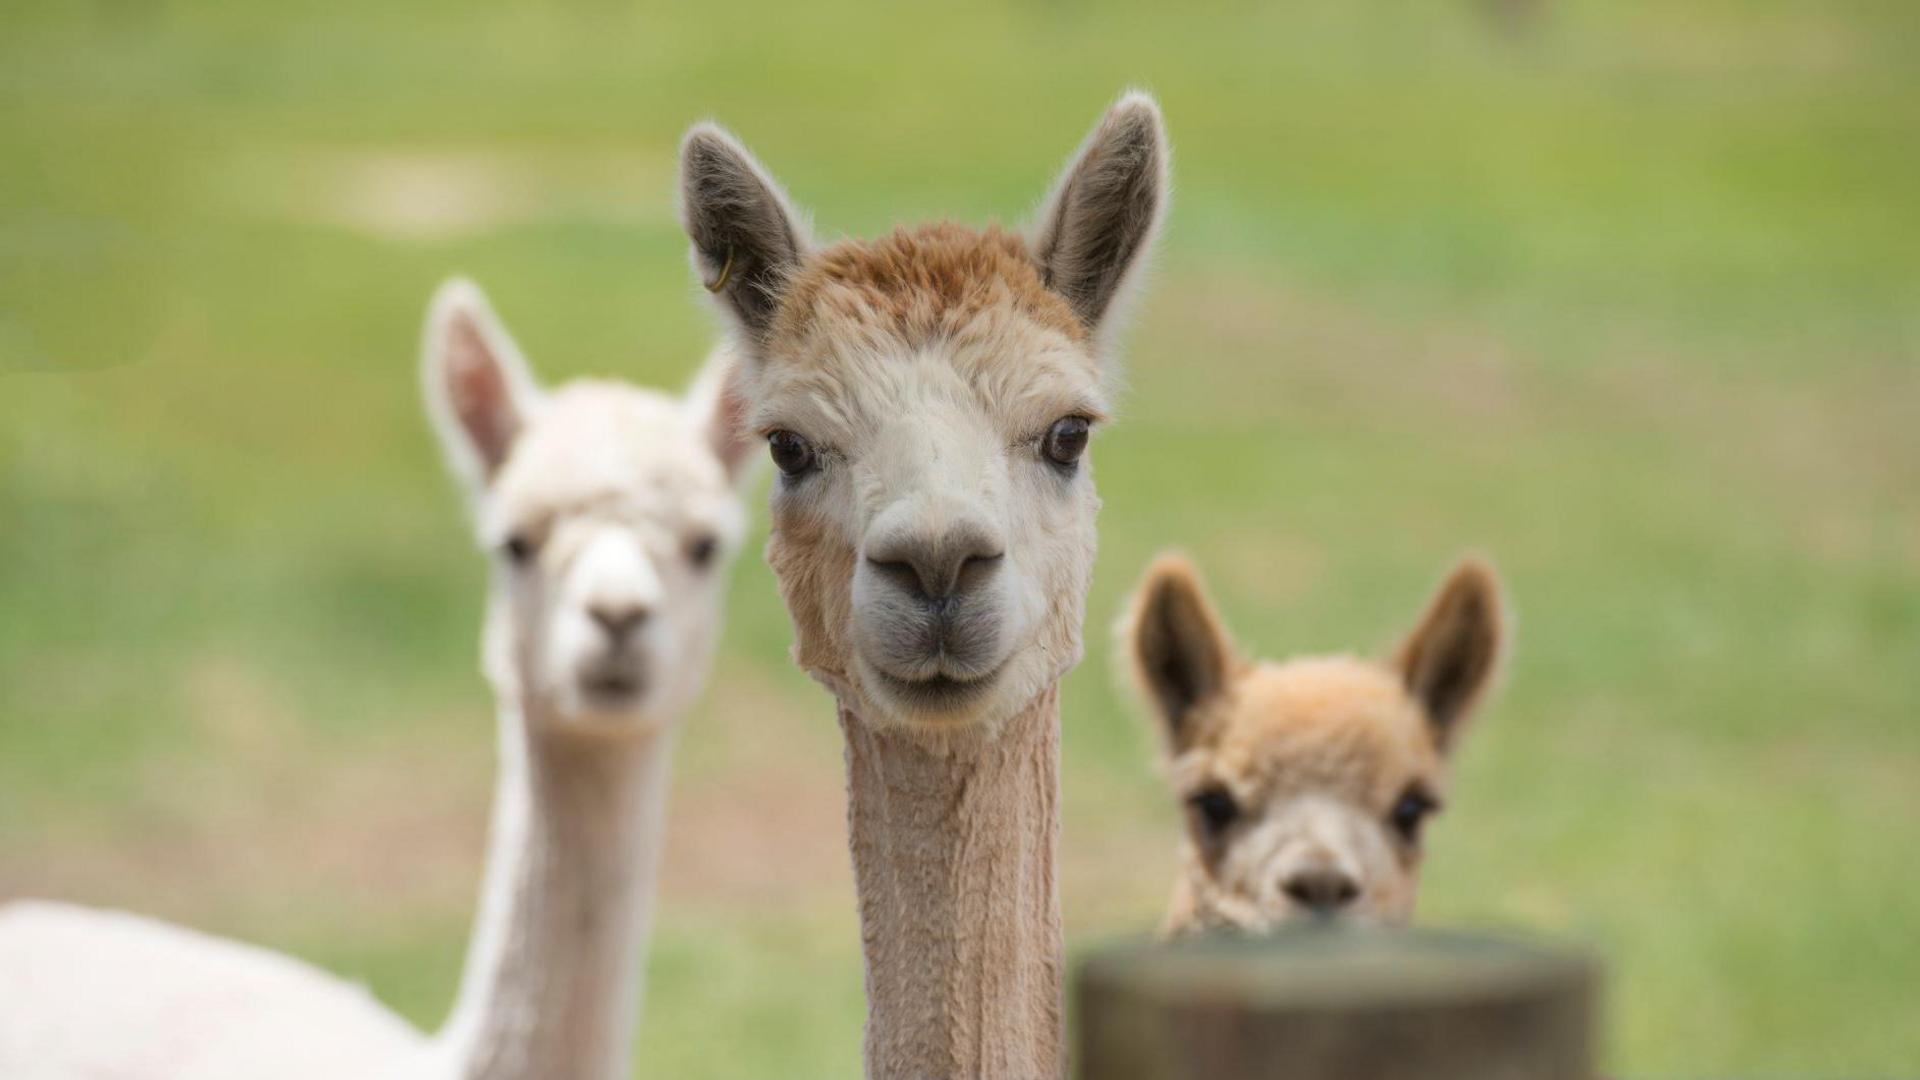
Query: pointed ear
[
  {"x": 1182, "y": 655},
  {"x": 1449, "y": 659},
  {"x": 1105, "y": 209},
  {"x": 479, "y": 390},
  {"x": 746, "y": 237},
  {"x": 718, "y": 403}
]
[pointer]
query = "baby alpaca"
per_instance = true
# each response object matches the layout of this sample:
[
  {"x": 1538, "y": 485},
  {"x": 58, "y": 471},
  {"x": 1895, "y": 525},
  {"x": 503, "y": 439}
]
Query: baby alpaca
[
  {"x": 609, "y": 514},
  {"x": 1306, "y": 783}
]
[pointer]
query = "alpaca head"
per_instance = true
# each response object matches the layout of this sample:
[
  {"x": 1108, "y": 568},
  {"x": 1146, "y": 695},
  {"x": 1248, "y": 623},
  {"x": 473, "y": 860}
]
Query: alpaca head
[
  {"x": 1306, "y": 783},
  {"x": 927, "y": 399},
  {"x": 609, "y": 513}
]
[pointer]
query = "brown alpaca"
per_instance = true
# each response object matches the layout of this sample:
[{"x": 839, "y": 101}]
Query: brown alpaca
[
  {"x": 927, "y": 398},
  {"x": 1306, "y": 782}
]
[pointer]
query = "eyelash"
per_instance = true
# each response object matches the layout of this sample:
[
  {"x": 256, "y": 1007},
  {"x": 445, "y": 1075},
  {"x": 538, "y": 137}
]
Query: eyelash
[{"x": 824, "y": 461}]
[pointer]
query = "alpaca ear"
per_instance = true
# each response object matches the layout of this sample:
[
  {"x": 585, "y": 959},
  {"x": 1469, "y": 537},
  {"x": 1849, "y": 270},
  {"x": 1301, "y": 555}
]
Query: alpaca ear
[
  {"x": 719, "y": 406},
  {"x": 1182, "y": 654},
  {"x": 479, "y": 390},
  {"x": 1105, "y": 209},
  {"x": 746, "y": 237},
  {"x": 1449, "y": 659}
]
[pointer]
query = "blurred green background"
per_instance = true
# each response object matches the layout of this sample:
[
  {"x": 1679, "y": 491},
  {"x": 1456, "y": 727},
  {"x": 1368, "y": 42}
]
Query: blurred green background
[{"x": 1626, "y": 295}]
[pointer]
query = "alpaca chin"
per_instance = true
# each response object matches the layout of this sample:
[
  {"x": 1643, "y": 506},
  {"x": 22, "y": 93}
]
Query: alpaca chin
[
  {"x": 939, "y": 702},
  {"x": 976, "y": 709},
  {"x": 610, "y": 704}
]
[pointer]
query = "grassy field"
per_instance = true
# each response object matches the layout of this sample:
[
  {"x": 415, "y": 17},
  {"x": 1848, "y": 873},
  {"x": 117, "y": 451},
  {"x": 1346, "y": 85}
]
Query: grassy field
[{"x": 1626, "y": 296}]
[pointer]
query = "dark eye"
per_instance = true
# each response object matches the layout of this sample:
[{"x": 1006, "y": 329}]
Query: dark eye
[
  {"x": 519, "y": 549},
  {"x": 792, "y": 453},
  {"x": 1410, "y": 812},
  {"x": 701, "y": 550},
  {"x": 1066, "y": 440},
  {"x": 1217, "y": 810}
]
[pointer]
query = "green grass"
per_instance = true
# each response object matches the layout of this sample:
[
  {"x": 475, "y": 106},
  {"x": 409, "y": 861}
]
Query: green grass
[{"x": 1629, "y": 300}]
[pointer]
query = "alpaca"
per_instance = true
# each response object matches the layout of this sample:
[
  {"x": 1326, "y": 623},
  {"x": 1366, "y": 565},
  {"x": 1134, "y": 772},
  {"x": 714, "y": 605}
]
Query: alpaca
[
  {"x": 610, "y": 514},
  {"x": 927, "y": 399},
  {"x": 1306, "y": 783}
]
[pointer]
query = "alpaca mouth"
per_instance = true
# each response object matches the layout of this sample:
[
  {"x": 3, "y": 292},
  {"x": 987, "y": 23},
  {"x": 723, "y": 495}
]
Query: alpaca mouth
[
  {"x": 613, "y": 687},
  {"x": 938, "y": 692}
]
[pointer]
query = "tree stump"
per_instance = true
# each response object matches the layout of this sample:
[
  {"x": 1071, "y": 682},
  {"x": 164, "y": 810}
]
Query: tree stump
[{"x": 1337, "y": 1004}]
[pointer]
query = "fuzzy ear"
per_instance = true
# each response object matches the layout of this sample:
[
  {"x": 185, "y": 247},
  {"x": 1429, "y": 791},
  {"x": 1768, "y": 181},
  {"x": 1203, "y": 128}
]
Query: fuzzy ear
[
  {"x": 718, "y": 403},
  {"x": 479, "y": 390},
  {"x": 1105, "y": 208},
  {"x": 1449, "y": 659},
  {"x": 1182, "y": 654},
  {"x": 746, "y": 237}
]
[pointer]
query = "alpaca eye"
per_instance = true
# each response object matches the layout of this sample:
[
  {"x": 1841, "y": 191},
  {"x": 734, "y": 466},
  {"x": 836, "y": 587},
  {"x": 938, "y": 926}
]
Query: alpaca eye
[
  {"x": 701, "y": 550},
  {"x": 792, "y": 454},
  {"x": 1410, "y": 812},
  {"x": 519, "y": 549},
  {"x": 1066, "y": 440},
  {"x": 1217, "y": 810}
]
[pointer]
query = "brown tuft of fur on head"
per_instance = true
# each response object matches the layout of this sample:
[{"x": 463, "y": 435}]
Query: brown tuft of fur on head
[{"x": 925, "y": 284}]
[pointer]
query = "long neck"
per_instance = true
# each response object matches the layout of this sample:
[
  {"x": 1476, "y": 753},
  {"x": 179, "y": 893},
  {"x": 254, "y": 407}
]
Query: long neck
[
  {"x": 953, "y": 856},
  {"x": 552, "y": 980}
]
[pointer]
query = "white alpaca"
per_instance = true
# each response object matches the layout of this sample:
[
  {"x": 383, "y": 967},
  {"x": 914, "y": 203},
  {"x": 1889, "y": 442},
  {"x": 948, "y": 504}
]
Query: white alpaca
[{"x": 611, "y": 512}]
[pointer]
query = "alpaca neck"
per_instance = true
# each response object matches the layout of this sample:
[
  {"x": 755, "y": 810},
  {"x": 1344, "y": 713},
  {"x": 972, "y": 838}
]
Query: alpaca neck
[
  {"x": 953, "y": 856},
  {"x": 552, "y": 980}
]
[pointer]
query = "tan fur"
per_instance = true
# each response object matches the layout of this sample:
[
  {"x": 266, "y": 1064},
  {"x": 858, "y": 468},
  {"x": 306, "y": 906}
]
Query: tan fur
[
  {"x": 961, "y": 838},
  {"x": 951, "y": 821},
  {"x": 925, "y": 284},
  {"x": 1314, "y": 753},
  {"x": 925, "y": 369}
]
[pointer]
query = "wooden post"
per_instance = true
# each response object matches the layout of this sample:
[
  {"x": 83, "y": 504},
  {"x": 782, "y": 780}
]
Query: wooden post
[{"x": 1334, "y": 1004}]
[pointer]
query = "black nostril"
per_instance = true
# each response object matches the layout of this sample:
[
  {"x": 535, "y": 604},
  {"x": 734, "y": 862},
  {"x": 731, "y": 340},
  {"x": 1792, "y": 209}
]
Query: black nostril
[
  {"x": 981, "y": 562},
  {"x": 618, "y": 622},
  {"x": 901, "y": 573},
  {"x": 1322, "y": 890},
  {"x": 934, "y": 573},
  {"x": 969, "y": 572}
]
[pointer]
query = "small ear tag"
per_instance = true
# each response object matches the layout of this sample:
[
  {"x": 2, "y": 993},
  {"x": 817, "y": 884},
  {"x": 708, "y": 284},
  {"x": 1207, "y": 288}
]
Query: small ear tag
[{"x": 726, "y": 273}]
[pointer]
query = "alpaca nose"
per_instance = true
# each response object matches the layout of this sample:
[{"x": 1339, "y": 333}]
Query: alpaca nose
[
  {"x": 935, "y": 568},
  {"x": 618, "y": 619},
  {"x": 1323, "y": 890}
]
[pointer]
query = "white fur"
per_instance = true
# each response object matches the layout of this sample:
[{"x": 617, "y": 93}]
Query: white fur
[
  {"x": 100, "y": 995},
  {"x": 612, "y": 484}
]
